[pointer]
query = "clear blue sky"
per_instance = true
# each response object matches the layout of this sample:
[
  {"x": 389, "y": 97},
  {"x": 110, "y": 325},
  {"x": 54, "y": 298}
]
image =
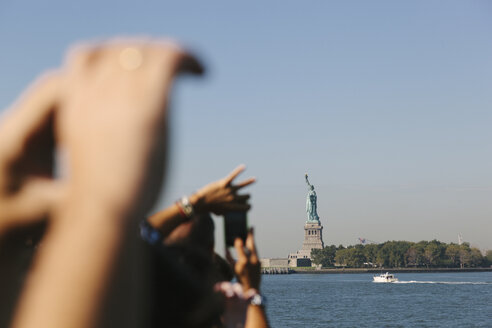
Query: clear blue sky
[{"x": 386, "y": 104}]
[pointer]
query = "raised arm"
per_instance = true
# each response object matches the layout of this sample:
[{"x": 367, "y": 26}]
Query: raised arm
[
  {"x": 307, "y": 182},
  {"x": 28, "y": 191},
  {"x": 217, "y": 197},
  {"x": 112, "y": 125},
  {"x": 248, "y": 271}
]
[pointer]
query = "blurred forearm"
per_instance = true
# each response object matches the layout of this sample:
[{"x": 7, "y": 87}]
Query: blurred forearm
[
  {"x": 256, "y": 317},
  {"x": 166, "y": 220},
  {"x": 80, "y": 270}
]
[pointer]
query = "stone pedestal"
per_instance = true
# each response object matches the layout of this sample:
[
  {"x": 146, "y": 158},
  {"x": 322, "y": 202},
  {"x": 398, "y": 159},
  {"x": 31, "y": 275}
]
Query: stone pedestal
[{"x": 313, "y": 239}]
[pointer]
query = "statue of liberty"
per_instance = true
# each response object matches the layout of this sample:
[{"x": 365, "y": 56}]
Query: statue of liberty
[{"x": 311, "y": 207}]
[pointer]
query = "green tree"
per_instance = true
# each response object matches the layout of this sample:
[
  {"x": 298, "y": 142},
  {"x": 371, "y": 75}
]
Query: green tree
[
  {"x": 476, "y": 258},
  {"x": 432, "y": 253},
  {"x": 371, "y": 253},
  {"x": 412, "y": 256},
  {"x": 420, "y": 248},
  {"x": 325, "y": 256},
  {"x": 341, "y": 256},
  {"x": 404, "y": 254},
  {"x": 355, "y": 257},
  {"x": 488, "y": 258},
  {"x": 453, "y": 253},
  {"x": 465, "y": 256},
  {"x": 401, "y": 248},
  {"x": 392, "y": 253}
]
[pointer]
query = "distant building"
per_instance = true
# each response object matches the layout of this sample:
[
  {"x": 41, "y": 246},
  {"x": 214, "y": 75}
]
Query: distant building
[{"x": 275, "y": 263}]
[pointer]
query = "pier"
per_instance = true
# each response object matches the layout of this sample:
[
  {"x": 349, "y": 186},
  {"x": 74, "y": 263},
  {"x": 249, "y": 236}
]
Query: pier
[{"x": 276, "y": 271}]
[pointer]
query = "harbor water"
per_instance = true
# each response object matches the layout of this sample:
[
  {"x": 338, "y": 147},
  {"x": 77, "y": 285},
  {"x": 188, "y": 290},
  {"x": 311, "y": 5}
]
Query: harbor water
[{"x": 353, "y": 300}]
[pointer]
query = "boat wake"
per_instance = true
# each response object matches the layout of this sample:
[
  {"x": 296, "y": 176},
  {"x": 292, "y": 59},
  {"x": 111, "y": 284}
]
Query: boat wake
[{"x": 444, "y": 282}]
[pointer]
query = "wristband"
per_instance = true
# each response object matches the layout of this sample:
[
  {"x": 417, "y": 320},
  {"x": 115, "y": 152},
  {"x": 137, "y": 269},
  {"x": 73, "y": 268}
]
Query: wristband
[
  {"x": 258, "y": 300},
  {"x": 149, "y": 233},
  {"x": 185, "y": 208}
]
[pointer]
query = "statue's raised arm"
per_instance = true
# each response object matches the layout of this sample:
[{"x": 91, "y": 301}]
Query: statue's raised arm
[{"x": 307, "y": 181}]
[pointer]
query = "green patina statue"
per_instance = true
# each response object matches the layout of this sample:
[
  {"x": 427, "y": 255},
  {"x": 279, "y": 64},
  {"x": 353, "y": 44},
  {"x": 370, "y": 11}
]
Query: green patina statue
[{"x": 311, "y": 207}]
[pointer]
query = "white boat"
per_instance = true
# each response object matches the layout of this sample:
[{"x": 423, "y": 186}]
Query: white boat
[{"x": 385, "y": 277}]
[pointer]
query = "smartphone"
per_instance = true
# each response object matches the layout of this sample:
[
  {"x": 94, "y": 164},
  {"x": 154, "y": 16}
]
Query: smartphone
[{"x": 235, "y": 225}]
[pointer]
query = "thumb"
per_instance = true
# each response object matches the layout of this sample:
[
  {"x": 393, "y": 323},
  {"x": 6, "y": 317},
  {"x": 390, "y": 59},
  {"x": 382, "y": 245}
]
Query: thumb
[{"x": 35, "y": 202}]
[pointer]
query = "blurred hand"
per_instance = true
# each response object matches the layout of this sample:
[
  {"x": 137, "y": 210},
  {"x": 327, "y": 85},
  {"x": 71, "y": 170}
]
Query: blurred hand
[
  {"x": 113, "y": 122},
  {"x": 109, "y": 104},
  {"x": 221, "y": 196},
  {"x": 247, "y": 266},
  {"x": 28, "y": 191},
  {"x": 236, "y": 303}
]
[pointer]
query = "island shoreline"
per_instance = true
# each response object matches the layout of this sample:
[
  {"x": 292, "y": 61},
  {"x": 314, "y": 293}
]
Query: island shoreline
[{"x": 394, "y": 270}]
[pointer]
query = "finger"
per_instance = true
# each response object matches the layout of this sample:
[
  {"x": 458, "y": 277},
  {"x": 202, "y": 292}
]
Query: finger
[
  {"x": 225, "y": 288},
  {"x": 29, "y": 115},
  {"x": 239, "y": 246},
  {"x": 190, "y": 64},
  {"x": 34, "y": 203},
  {"x": 238, "y": 289},
  {"x": 250, "y": 245},
  {"x": 219, "y": 286},
  {"x": 82, "y": 54},
  {"x": 242, "y": 198},
  {"x": 244, "y": 183},
  {"x": 234, "y": 173}
]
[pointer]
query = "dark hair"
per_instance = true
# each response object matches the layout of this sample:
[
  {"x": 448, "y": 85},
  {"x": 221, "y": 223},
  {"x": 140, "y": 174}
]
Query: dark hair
[
  {"x": 202, "y": 231},
  {"x": 183, "y": 294}
]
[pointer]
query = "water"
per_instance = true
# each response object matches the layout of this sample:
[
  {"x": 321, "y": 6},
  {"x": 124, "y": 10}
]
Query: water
[{"x": 353, "y": 300}]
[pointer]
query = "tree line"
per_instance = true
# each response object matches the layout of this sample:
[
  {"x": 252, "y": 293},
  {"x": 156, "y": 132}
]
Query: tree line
[{"x": 402, "y": 254}]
